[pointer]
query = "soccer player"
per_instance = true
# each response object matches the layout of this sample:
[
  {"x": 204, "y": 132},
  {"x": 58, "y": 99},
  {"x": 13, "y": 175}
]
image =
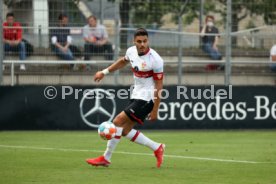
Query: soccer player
[{"x": 147, "y": 68}]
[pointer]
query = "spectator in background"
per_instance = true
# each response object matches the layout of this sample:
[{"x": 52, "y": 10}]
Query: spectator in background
[
  {"x": 210, "y": 42},
  {"x": 273, "y": 58},
  {"x": 12, "y": 37},
  {"x": 96, "y": 39},
  {"x": 61, "y": 39}
]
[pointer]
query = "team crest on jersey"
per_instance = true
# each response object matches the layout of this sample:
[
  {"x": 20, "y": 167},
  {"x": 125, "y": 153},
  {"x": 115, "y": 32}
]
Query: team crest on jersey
[{"x": 143, "y": 65}]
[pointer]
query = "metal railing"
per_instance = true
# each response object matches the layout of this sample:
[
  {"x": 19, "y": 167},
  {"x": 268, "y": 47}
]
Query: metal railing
[
  {"x": 12, "y": 64},
  {"x": 159, "y": 39}
]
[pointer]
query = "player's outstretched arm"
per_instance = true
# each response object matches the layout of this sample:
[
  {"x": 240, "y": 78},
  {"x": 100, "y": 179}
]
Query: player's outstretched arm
[{"x": 120, "y": 63}]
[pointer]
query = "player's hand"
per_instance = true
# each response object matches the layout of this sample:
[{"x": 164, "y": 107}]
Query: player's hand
[
  {"x": 152, "y": 116},
  {"x": 98, "y": 76}
]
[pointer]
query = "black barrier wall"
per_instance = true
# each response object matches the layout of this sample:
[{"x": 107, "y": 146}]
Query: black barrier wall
[{"x": 182, "y": 107}]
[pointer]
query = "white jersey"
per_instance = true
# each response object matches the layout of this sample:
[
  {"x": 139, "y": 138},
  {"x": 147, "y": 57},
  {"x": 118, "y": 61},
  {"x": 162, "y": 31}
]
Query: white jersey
[{"x": 146, "y": 69}]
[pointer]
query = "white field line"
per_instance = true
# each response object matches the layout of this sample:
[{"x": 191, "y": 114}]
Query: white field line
[{"x": 133, "y": 153}]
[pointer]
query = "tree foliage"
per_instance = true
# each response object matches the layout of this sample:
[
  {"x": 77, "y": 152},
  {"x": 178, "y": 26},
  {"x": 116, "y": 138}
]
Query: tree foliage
[
  {"x": 241, "y": 9},
  {"x": 145, "y": 13}
]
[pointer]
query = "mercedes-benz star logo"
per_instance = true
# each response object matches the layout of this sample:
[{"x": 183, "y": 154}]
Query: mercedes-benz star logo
[{"x": 99, "y": 94}]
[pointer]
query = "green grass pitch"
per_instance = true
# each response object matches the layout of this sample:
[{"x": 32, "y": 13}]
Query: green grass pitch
[{"x": 191, "y": 157}]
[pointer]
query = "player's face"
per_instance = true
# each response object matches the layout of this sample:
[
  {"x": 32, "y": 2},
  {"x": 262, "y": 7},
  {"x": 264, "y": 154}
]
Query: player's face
[
  {"x": 10, "y": 20},
  {"x": 141, "y": 43}
]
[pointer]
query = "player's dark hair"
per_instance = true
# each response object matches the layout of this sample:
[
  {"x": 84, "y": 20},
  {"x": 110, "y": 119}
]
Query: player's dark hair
[
  {"x": 10, "y": 14},
  {"x": 141, "y": 32},
  {"x": 61, "y": 16}
]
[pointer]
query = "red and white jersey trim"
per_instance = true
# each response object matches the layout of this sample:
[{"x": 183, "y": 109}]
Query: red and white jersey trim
[
  {"x": 142, "y": 74},
  {"x": 158, "y": 76}
]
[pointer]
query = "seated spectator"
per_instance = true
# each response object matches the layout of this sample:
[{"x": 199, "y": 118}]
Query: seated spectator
[
  {"x": 61, "y": 39},
  {"x": 273, "y": 58},
  {"x": 96, "y": 39},
  {"x": 210, "y": 42},
  {"x": 12, "y": 37}
]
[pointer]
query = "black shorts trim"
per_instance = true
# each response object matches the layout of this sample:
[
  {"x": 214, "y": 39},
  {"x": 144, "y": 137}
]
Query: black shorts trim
[{"x": 137, "y": 110}]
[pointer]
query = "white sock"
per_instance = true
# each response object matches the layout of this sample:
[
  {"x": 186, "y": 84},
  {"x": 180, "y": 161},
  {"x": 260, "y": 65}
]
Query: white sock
[
  {"x": 111, "y": 144},
  {"x": 140, "y": 138}
]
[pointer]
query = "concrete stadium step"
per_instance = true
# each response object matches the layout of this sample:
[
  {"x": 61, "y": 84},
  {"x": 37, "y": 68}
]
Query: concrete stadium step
[{"x": 212, "y": 78}]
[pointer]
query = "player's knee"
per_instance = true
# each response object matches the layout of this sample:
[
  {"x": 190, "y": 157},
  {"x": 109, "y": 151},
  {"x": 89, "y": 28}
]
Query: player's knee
[
  {"x": 126, "y": 130},
  {"x": 118, "y": 121}
]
